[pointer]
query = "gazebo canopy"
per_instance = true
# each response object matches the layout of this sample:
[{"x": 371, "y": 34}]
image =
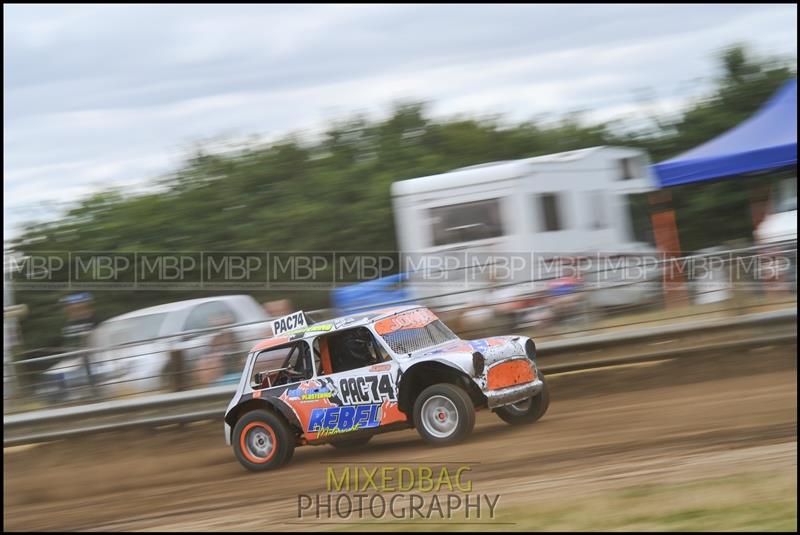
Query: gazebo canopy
[{"x": 767, "y": 140}]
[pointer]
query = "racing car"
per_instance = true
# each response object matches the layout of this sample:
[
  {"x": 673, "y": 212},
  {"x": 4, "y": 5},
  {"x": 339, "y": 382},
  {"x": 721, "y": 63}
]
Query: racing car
[{"x": 344, "y": 380}]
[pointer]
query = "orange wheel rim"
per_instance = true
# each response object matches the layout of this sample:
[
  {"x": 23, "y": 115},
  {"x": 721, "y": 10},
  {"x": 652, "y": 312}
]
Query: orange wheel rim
[{"x": 258, "y": 442}]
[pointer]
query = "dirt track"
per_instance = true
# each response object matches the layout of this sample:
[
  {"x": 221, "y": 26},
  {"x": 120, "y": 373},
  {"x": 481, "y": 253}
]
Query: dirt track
[{"x": 608, "y": 429}]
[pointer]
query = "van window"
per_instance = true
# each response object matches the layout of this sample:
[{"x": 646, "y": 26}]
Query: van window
[{"x": 470, "y": 221}]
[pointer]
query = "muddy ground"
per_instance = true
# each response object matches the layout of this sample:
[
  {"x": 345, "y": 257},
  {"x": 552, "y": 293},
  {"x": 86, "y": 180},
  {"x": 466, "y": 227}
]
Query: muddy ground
[{"x": 672, "y": 422}]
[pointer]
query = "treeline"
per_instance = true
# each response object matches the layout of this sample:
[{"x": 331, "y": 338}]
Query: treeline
[{"x": 333, "y": 194}]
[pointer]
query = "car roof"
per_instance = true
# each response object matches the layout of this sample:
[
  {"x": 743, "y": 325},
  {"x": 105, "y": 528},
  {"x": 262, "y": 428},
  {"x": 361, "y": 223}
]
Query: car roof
[
  {"x": 340, "y": 323},
  {"x": 172, "y": 307}
]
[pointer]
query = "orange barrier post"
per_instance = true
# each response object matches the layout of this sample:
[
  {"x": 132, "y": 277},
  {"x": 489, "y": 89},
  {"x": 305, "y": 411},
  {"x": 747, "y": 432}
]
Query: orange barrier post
[{"x": 665, "y": 232}]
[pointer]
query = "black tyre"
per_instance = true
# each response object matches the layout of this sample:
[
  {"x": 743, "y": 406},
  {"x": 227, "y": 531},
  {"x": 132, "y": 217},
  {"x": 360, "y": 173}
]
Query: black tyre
[
  {"x": 262, "y": 441},
  {"x": 529, "y": 410},
  {"x": 444, "y": 414},
  {"x": 351, "y": 443}
]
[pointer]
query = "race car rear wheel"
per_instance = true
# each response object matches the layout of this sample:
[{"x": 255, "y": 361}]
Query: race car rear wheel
[
  {"x": 529, "y": 410},
  {"x": 444, "y": 414},
  {"x": 262, "y": 441},
  {"x": 351, "y": 443}
]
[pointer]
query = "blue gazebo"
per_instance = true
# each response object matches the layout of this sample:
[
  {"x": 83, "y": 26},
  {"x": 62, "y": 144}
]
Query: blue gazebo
[{"x": 767, "y": 140}]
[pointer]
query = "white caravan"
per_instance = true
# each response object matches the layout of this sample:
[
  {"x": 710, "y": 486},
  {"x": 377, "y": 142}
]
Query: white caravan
[
  {"x": 560, "y": 205},
  {"x": 780, "y": 224}
]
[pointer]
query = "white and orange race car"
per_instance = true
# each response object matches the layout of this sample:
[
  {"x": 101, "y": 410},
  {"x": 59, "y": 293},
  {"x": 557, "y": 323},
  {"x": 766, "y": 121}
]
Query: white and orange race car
[{"x": 344, "y": 380}]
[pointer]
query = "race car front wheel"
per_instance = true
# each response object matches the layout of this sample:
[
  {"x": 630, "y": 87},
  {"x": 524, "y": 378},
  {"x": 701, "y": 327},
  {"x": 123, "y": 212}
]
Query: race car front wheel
[
  {"x": 528, "y": 410},
  {"x": 444, "y": 414},
  {"x": 262, "y": 441}
]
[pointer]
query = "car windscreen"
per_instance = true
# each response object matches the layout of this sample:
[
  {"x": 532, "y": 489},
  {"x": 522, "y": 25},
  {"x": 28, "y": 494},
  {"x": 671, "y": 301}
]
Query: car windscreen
[
  {"x": 414, "y": 339},
  {"x": 129, "y": 330}
]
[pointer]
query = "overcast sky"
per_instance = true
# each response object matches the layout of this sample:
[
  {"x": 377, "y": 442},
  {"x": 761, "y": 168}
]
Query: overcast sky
[{"x": 113, "y": 95}]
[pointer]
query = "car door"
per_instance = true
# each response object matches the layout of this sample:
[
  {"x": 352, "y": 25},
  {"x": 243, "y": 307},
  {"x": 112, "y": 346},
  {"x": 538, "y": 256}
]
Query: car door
[
  {"x": 210, "y": 345},
  {"x": 346, "y": 397}
]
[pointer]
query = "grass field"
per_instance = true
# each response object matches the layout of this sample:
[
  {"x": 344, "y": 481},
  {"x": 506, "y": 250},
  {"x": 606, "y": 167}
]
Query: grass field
[
  {"x": 747, "y": 502},
  {"x": 753, "y": 502}
]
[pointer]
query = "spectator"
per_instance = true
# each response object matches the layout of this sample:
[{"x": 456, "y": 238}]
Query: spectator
[
  {"x": 80, "y": 320},
  {"x": 279, "y": 308},
  {"x": 75, "y": 334},
  {"x": 220, "y": 359}
]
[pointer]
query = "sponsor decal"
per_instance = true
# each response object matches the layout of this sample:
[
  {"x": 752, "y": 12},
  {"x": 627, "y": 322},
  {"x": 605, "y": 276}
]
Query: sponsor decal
[
  {"x": 413, "y": 319},
  {"x": 289, "y": 323},
  {"x": 340, "y": 322},
  {"x": 457, "y": 346},
  {"x": 335, "y": 420},
  {"x": 484, "y": 344},
  {"x": 299, "y": 333},
  {"x": 332, "y": 405},
  {"x": 460, "y": 346},
  {"x": 310, "y": 391},
  {"x": 380, "y": 367}
]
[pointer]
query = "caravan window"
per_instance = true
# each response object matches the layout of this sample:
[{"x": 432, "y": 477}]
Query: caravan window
[
  {"x": 550, "y": 215},
  {"x": 596, "y": 206},
  {"x": 469, "y": 221},
  {"x": 631, "y": 168}
]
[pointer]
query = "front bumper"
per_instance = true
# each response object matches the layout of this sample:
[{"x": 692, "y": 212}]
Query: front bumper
[{"x": 513, "y": 394}]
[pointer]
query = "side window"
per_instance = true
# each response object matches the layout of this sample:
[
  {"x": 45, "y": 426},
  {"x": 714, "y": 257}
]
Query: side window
[
  {"x": 213, "y": 314},
  {"x": 267, "y": 362},
  {"x": 348, "y": 350},
  {"x": 550, "y": 215},
  {"x": 280, "y": 366}
]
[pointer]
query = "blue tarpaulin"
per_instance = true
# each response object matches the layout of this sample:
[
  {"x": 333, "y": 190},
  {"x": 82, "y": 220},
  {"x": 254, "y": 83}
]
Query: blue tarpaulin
[
  {"x": 767, "y": 140},
  {"x": 360, "y": 296}
]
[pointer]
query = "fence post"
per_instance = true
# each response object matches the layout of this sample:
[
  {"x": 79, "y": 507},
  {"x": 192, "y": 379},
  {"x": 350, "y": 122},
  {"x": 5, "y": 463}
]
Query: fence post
[
  {"x": 87, "y": 365},
  {"x": 177, "y": 367},
  {"x": 10, "y": 385}
]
